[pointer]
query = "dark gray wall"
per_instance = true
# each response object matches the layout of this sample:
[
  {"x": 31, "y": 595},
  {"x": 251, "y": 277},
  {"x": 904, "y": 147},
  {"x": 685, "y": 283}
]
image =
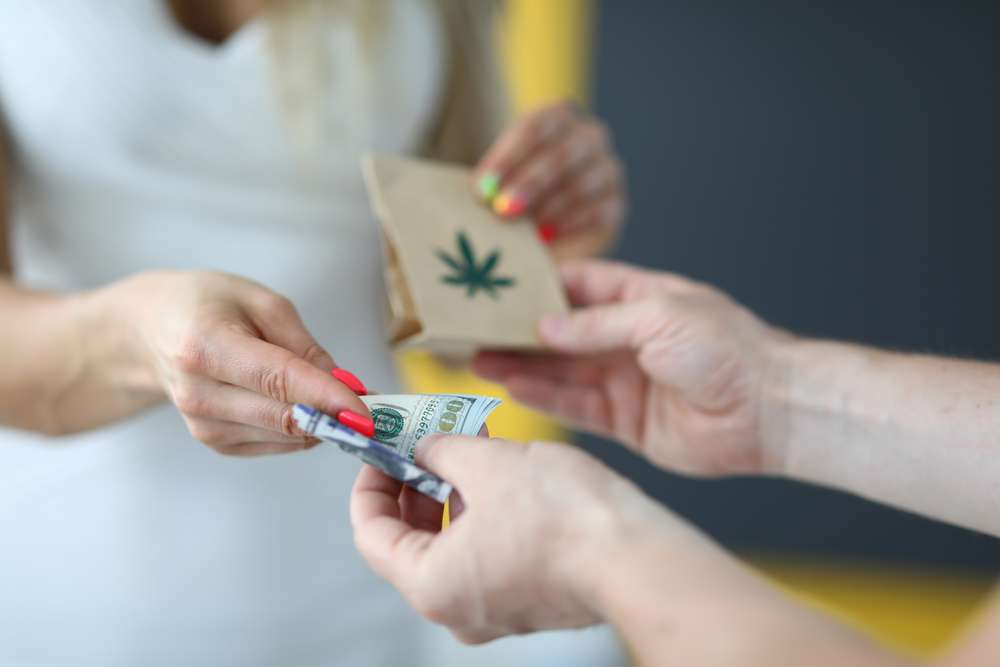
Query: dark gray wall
[{"x": 833, "y": 166}]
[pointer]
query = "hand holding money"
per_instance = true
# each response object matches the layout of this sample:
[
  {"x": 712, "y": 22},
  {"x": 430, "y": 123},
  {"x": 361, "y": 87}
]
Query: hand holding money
[
  {"x": 541, "y": 523},
  {"x": 230, "y": 354},
  {"x": 401, "y": 421}
]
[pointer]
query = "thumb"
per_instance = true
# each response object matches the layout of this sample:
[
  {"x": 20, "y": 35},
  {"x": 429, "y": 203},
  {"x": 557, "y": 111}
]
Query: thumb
[
  {"x": 466, "y": 461},
  {"x": 605, "y": 328}
]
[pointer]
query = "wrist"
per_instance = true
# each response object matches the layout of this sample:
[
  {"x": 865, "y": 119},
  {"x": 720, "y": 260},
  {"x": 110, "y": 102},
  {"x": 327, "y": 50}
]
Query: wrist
[
  {"x": 806, "y": 402},
  {"x": 641, "y": 548},
  {"x": 112, "y": 323},
  {"x": 617, "y": 531},
  {"x": 681, "y": 599}
]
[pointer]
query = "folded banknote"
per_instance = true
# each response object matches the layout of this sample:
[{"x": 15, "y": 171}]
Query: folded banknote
[{"x": 402, "y": 420}]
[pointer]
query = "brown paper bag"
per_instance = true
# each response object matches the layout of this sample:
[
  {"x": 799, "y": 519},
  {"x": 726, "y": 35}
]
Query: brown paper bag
[{"x": 457, "y": 278}]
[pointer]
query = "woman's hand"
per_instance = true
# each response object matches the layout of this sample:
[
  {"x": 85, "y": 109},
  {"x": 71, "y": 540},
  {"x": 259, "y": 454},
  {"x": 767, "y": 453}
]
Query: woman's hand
[
  {"x": 233, "y": 357},
  {"x": 536, "y": 525},
  {"x": 557, "y": 166},
  {"x": 673, "y": 368}
]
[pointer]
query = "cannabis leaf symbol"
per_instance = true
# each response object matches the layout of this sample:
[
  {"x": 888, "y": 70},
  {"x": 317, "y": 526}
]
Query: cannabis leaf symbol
[{"x": 468, "y": 272}]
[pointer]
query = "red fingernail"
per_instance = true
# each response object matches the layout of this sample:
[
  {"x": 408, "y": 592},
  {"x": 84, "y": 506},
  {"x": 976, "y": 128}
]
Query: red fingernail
[
  {"x": 547, "y": 232},
  {"x": 351, "y": 380},
  {"x": 363, "y": 425}
]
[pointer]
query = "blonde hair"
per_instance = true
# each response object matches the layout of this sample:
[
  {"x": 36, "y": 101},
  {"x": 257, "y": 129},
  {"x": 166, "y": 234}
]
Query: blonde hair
[
  {"x": 301, "y": 59},
  {"x": 474, "y": 104}
]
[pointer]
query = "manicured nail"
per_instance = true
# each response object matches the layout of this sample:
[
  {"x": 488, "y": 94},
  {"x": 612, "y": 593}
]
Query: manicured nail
[
  {"x": 547, "y": 232},
  {"x": 509, "y": 205},
  {"x": 554, "y": 327},
  {"x": 351, "y": 380},
  {"x": 500, "y": 204},
  {"x": 489, "y": 186},
  {"x": 363, "y": 425}
]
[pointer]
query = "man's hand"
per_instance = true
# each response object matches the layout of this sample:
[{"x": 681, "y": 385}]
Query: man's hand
[
  {"x": 535, "y": 525},
  {"x": 546, "y": 537},
  {"x": 673, "y": 368}
]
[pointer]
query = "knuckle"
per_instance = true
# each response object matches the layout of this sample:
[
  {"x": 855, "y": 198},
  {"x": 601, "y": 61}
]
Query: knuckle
[
  {"x": 433, "y": 606},
  {"x": 659, "y": 322},
  {"x": 315, "y": 352},
  {"x": 277, "y": 305},
  {"x": 639, "y": 287},
  {"x": 596, "y": 133},
  {"x": 544, "y": 123},
  {"x": 191, "y": 401},
  {"x": 191, "y": 355},
  {"x": 207, "y": 433},
  {"x": 286, "y": 422},
  {"x": 273, "y": 382},
  {"x": 561, "y": 157},
  {"x": 564, "y": 110}
]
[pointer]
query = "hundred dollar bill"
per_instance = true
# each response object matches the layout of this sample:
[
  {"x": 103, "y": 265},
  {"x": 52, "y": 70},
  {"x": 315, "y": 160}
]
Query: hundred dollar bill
[
  {"x": 402, "y": 420},
  {"x": 372, "y": 452}
]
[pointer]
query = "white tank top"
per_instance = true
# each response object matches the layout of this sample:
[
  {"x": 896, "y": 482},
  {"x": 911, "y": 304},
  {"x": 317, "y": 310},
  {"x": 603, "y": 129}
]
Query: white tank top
[{"x": 139, "y": 147}]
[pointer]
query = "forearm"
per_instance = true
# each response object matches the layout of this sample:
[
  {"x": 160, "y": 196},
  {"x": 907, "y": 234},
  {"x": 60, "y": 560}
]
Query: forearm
[
  {"x": 922, "y": 433},
  {"x": 65, "y": 363},
  {"x": 674, "y": 607}
]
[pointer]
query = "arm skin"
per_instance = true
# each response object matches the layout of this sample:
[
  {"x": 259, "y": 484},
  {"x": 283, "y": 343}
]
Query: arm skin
[
  {"x": 55, "y": 376},
  {"x": 696, "y": 383},
  {"x": 670, "y": 608},
  {"x": 45, "y": 364},
  {"x": 918, "y": 432},
  {"x": 720, "y": 613},
  {"x": 230, "y": 354},
  {"x": 545, "y": 537},
  {"x": 66, "y": 366}
]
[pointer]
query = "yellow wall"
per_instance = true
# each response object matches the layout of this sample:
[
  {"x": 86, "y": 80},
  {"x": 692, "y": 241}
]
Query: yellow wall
[{"x": 547, "y": 46}]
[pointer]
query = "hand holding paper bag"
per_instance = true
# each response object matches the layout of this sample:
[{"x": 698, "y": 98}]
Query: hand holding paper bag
[{"x": 455, "y": 279}]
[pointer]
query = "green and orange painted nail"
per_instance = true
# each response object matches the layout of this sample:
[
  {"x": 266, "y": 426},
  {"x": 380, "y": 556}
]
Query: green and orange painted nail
[
  {"x": 488, "y": 186},
  {"x": 509, "y": 205}
]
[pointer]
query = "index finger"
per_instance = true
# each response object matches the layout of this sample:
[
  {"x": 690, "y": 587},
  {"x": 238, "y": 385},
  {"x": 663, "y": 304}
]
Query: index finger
[
  {"x": 264, "y": 368},
  {"x": 521, "y": 139},
  {"x": 593, "y": 282},
  {"x": 589, "y": 282}
]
